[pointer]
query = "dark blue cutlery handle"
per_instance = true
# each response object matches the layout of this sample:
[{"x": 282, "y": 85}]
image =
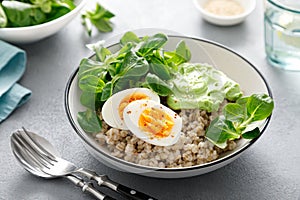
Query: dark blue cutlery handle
[{"x": 133, "y": 194}]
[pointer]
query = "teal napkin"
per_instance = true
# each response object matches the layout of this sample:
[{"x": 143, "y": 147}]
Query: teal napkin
[{"x": 12, "y": 67}]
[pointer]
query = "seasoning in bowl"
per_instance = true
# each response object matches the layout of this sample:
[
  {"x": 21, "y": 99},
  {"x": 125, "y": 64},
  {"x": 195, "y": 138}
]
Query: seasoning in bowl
[
  {"x": 224, "y": 7},
  {"x": 225, "y": 12}
]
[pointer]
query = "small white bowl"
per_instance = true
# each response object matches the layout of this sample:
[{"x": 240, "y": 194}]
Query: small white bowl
[
  {"x": 35, "y": 33},
  {"x": 248, "y": 5}
]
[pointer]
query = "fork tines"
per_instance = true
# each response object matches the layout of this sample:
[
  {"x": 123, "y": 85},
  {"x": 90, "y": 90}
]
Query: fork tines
[
  {"x": 39, "y": 155},
  {"x": 41, "y": 150}
]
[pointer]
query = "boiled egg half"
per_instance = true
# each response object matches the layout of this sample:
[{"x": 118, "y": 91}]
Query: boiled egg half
[
  {"x": 112, "y": 110},
  {"x": 153, "y": 122}
]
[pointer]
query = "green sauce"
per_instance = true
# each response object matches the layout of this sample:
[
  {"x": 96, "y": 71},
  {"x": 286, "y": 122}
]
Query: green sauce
[{"x": 200, "y": 86}]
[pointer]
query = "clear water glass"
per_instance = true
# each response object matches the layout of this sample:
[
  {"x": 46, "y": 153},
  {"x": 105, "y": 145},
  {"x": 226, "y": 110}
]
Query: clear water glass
[{"x": 282, "y": 33}]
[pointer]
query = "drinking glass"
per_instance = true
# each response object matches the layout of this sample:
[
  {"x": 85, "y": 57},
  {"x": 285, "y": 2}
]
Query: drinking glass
[{"x": 282, "y": 33}]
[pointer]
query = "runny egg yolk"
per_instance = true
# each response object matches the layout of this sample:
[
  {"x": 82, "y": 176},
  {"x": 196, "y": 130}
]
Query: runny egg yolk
[
  {"x": 130, "y": 98},
  {"x": 156, "y": 122}
]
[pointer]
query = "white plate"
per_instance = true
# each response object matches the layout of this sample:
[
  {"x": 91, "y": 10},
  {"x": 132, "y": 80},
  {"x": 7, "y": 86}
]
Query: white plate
[{"x": 226, "y": 60}]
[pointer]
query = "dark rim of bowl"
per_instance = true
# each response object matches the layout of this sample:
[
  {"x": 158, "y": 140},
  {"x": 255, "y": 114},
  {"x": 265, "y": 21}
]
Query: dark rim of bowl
[{"x": 195, "y": 167}]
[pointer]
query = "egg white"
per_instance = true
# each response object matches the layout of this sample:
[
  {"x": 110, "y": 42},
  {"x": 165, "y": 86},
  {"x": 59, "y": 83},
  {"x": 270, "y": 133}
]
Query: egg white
[
  {"x": 110, "y": 109},
  {"x": 133, "y": 112}
]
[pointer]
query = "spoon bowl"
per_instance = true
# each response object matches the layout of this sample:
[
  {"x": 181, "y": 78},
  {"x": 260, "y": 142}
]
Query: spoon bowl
[{"x": 23, "y": 160}]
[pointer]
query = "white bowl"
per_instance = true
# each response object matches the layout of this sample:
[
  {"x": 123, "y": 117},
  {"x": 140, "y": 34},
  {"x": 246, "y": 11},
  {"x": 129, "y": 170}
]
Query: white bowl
[
  {"x": 248, "y": 5},
  {"x": 35, "y": 33},
  {"x": 226, "y": 60}
]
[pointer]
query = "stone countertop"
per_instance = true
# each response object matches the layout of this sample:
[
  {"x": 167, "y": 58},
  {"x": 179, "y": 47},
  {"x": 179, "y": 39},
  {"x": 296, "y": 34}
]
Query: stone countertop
[{"x": 268, "y": 170}]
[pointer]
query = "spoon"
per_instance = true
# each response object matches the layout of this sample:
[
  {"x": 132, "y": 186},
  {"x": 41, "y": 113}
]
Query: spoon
[
  {"x": 43, "y": 156},
  {"x": 25, "y": 161}
]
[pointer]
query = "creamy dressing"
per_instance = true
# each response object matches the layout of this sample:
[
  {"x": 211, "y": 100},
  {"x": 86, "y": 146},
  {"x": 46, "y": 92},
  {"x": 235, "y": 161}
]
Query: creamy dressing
[{"x": 200, "y": 86}]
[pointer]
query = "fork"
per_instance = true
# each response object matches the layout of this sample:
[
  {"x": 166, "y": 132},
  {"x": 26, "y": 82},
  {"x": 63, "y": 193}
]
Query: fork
[
  {"x": 24, "y": 159},
  {"x": 51, "y": 164}
]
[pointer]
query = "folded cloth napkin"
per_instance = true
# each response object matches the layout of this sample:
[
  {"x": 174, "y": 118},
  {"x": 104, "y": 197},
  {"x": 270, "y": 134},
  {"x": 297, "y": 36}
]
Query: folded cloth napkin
[{"x": 12, "y": 67}]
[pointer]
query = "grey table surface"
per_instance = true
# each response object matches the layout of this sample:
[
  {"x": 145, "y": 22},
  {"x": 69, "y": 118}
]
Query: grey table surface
[{"x": 268, "y": 170}]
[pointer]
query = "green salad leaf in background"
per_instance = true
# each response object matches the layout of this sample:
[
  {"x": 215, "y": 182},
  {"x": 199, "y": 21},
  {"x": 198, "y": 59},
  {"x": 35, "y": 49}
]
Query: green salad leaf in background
[
  {"x": 100, "y": 18},
  {"x": 24, "y": 13},
  {"x": 3, "y": 18}
]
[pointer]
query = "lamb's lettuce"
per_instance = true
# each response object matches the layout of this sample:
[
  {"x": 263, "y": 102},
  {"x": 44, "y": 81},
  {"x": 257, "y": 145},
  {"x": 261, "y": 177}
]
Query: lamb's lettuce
[
  {"x": 99, "y": 17},
  {"x": 20, "y": 13},
  {"x": 3, "y": 18},
  {"x": 140, "y": 62},
  {"x": 181, "y": 55},
  {"x": 129, "y": 66},
  {"x": 237, "y": 117},
  {"x": 23, "y": 14},
  {"x": 89, "y": 121},
  {"x": 157, "y": 85},
  {"x": 152, "y": 43},
  {"x": 129, "y": 37}
]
